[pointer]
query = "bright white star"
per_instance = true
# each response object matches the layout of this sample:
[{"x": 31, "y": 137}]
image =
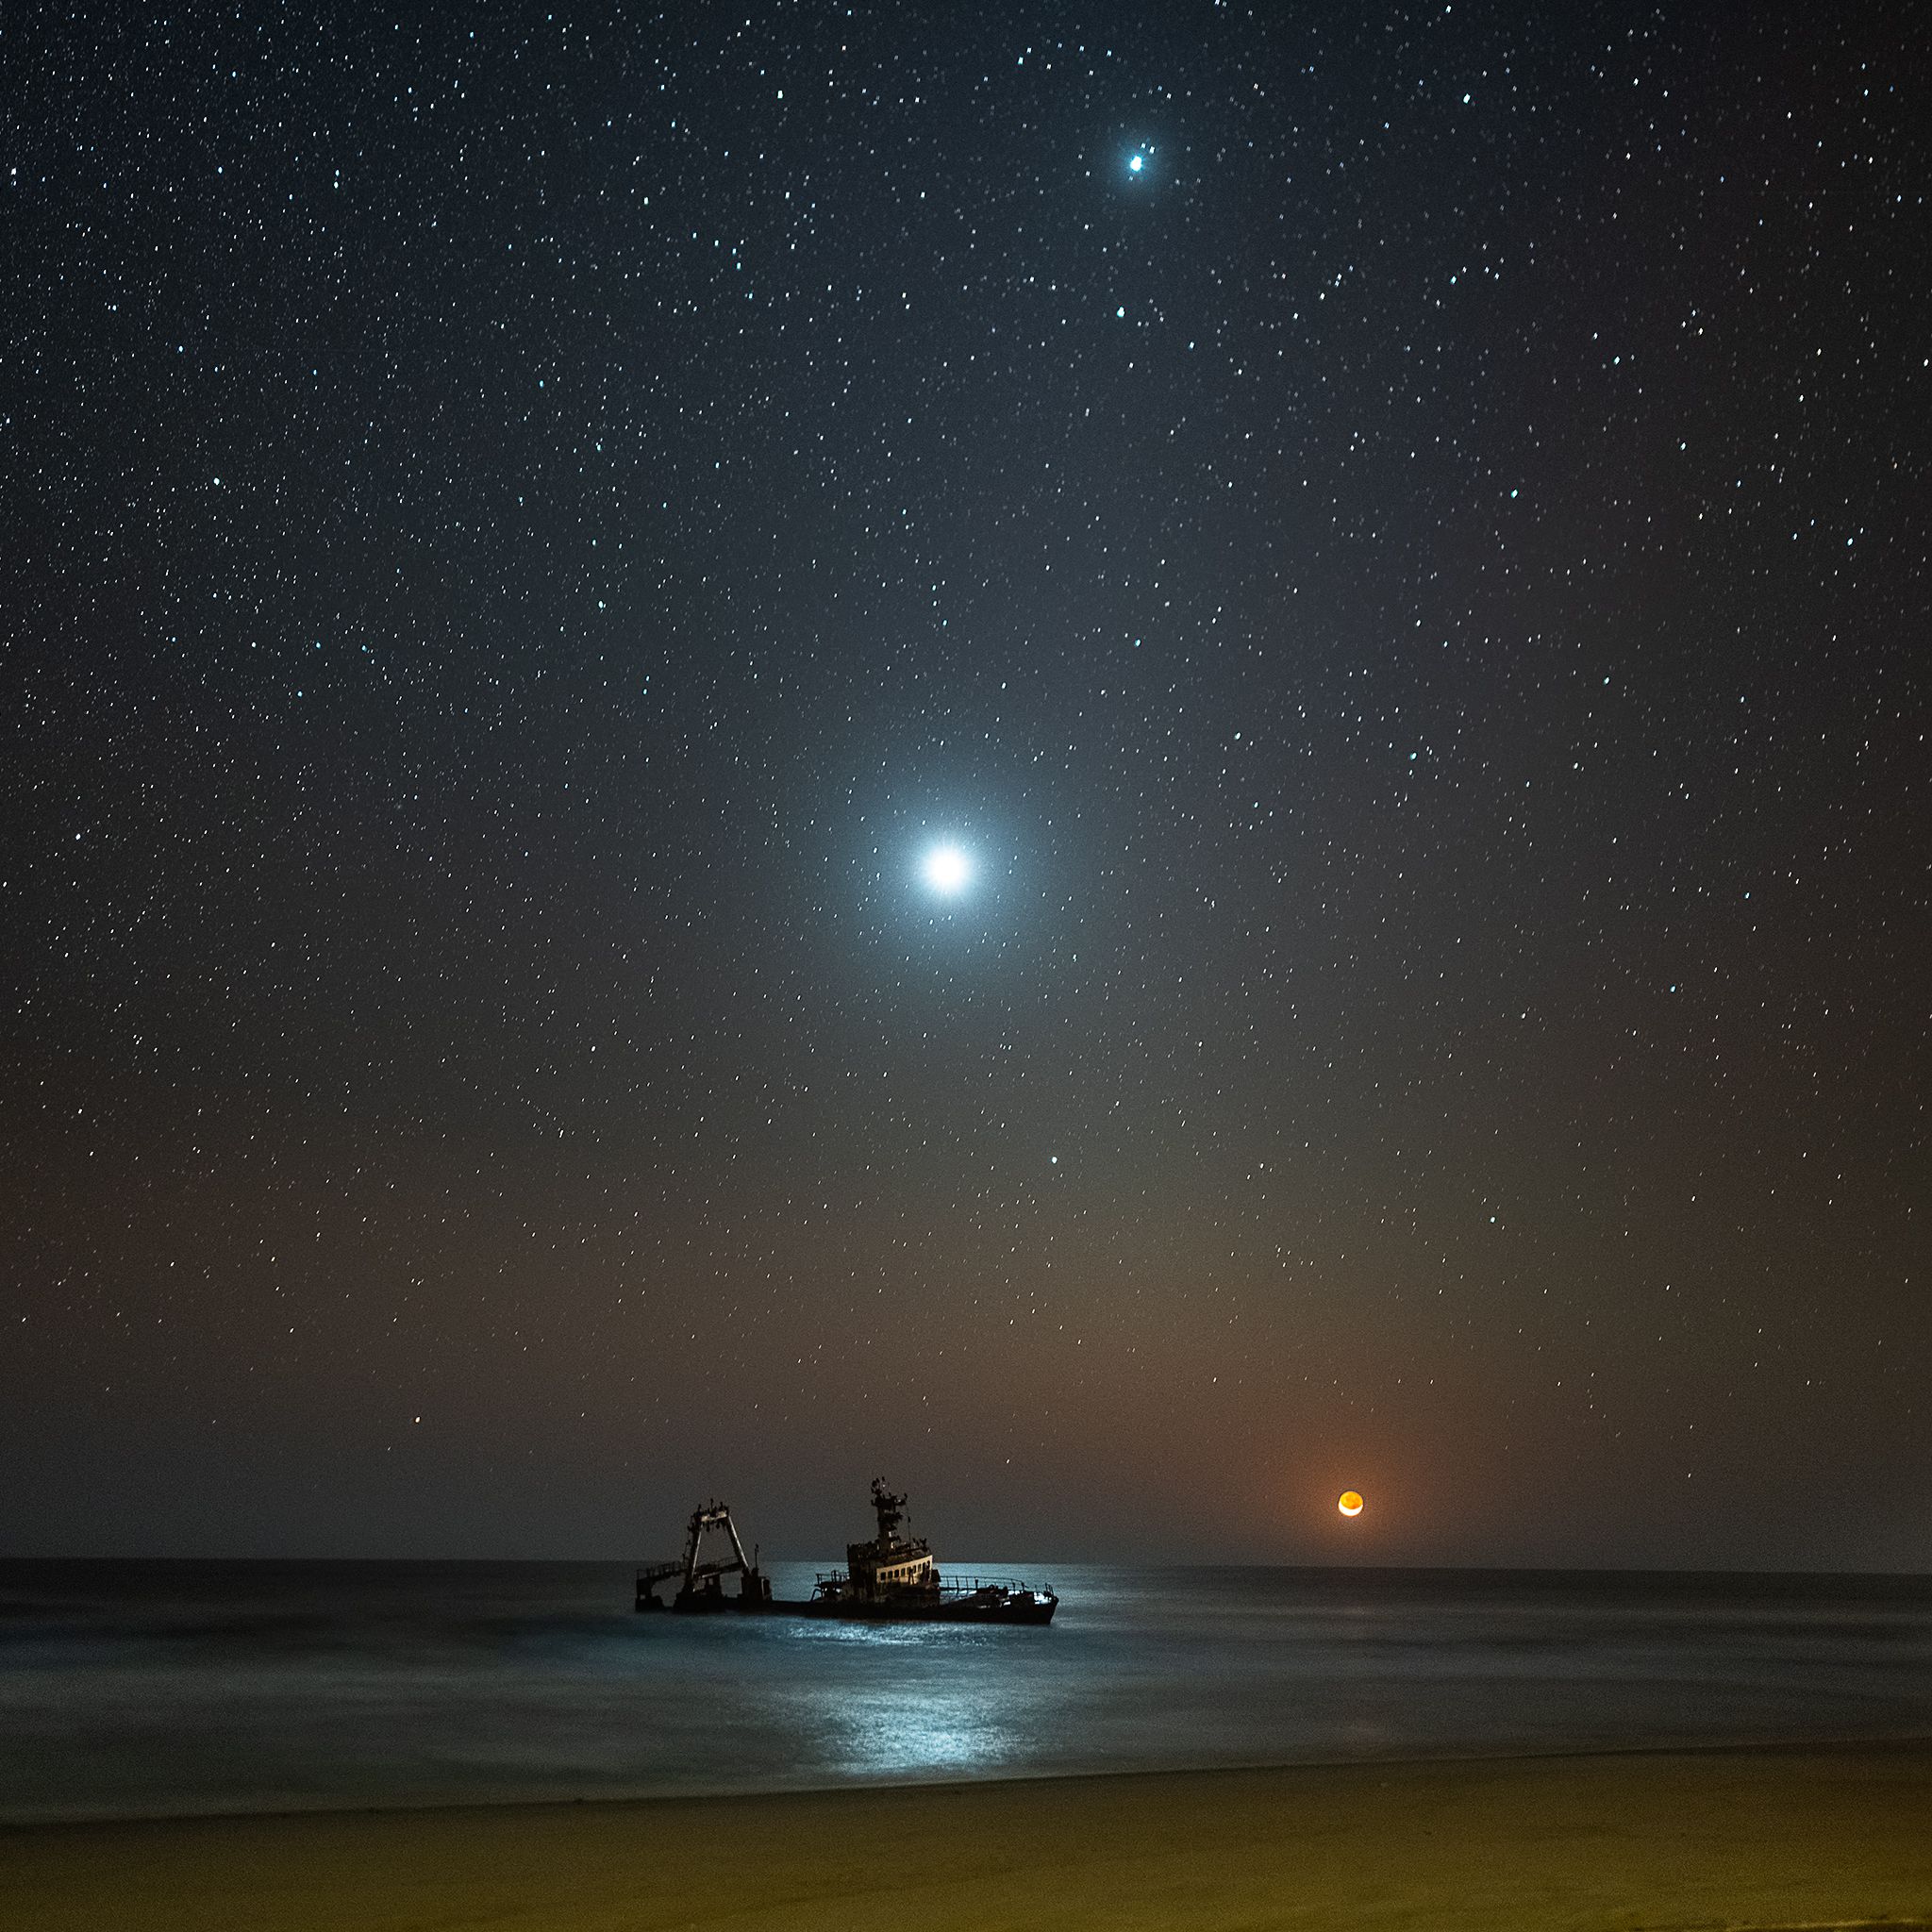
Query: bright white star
[
  {"x": 1136, "y": 163},
  {"x": 948, "y": 870}
]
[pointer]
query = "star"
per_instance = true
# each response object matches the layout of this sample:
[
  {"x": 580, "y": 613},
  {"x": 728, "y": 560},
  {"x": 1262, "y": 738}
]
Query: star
[
  {"x": 947, "y": 870},
  {"x": 1136, "y": 164}
]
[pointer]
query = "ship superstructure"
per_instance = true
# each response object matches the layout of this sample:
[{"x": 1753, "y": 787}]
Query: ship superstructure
[{"x": 890, "y": 1564}]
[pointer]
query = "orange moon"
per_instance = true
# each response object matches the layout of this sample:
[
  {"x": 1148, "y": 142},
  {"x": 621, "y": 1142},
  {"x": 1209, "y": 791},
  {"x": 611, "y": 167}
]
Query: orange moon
[{"x": 1351, "y": 1503}]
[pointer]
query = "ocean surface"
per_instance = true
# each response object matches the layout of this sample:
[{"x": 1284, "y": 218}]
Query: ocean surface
[{"x": 151, "y": 1688}]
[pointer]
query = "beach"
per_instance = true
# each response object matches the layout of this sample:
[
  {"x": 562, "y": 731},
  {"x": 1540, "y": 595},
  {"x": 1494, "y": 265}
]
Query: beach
[{"x": 1813, "y": 1836}]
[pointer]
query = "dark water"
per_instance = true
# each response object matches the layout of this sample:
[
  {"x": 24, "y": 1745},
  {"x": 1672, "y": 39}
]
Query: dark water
[{"x": 160, "y": 1688}]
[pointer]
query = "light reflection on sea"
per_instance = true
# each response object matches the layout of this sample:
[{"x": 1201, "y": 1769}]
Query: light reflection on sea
[{"x": 164, "y": 1687}]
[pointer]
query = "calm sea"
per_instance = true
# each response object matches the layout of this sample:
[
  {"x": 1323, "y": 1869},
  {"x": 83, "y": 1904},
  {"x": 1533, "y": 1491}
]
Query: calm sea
[{"x": 150, "y": 1688}]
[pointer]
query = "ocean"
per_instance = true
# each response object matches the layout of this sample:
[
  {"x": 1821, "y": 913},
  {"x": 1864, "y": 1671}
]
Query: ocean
[{"x": 161, "y": 1689}]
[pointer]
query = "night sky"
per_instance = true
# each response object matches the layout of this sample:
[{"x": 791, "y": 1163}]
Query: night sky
[{"x": 1392, "y": 544}]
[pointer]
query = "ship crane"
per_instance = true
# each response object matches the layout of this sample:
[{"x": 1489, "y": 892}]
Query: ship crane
[{"x": 701, "y": 1579}]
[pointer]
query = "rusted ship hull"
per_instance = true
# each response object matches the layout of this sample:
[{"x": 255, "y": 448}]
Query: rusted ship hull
[{"x": 1013, "y": 1606}]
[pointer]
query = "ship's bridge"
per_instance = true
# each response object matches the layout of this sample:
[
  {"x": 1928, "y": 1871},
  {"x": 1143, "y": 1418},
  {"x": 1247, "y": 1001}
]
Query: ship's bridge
[{"x": 914, "y": 1569}]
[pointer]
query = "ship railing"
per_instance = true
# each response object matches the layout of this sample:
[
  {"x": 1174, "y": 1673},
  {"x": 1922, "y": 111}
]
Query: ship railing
[
  {"x": 966, "y": 1586},
  {"x": 948, "y": 1584}
]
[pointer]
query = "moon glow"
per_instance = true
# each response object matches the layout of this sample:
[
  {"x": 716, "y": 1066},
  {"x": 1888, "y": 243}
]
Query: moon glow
[{"x": 1351, "y": 1502}]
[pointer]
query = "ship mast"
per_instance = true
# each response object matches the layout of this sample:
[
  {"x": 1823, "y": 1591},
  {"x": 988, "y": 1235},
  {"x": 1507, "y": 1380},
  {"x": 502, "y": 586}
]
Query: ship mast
[{"x": 890, "y": 1510}]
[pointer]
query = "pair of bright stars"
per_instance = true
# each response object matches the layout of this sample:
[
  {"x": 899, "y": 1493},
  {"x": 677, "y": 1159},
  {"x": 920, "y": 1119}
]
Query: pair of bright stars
[{"x": 947, "y": 869}]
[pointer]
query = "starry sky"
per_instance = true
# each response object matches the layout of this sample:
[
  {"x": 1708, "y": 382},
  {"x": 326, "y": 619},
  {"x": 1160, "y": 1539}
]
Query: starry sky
[{"x": 1382, "y": 539}]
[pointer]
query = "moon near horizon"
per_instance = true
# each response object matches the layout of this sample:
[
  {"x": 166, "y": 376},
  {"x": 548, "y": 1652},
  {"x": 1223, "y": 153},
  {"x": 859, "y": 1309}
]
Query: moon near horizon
[{"x": 1351, "y": 1502}]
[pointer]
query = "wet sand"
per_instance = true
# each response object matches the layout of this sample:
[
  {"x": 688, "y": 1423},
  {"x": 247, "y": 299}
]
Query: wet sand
[{"x": 1835, "y": 1836}]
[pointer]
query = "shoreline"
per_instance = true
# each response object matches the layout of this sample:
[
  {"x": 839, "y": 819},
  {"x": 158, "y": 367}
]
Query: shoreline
[
  {"x": 1724, "y": 1834},
  {"x": 1851, "y": 1744}
]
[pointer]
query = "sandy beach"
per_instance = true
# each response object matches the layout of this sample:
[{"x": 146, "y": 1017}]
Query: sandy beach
[{"x": 1837, "y": 1836}]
